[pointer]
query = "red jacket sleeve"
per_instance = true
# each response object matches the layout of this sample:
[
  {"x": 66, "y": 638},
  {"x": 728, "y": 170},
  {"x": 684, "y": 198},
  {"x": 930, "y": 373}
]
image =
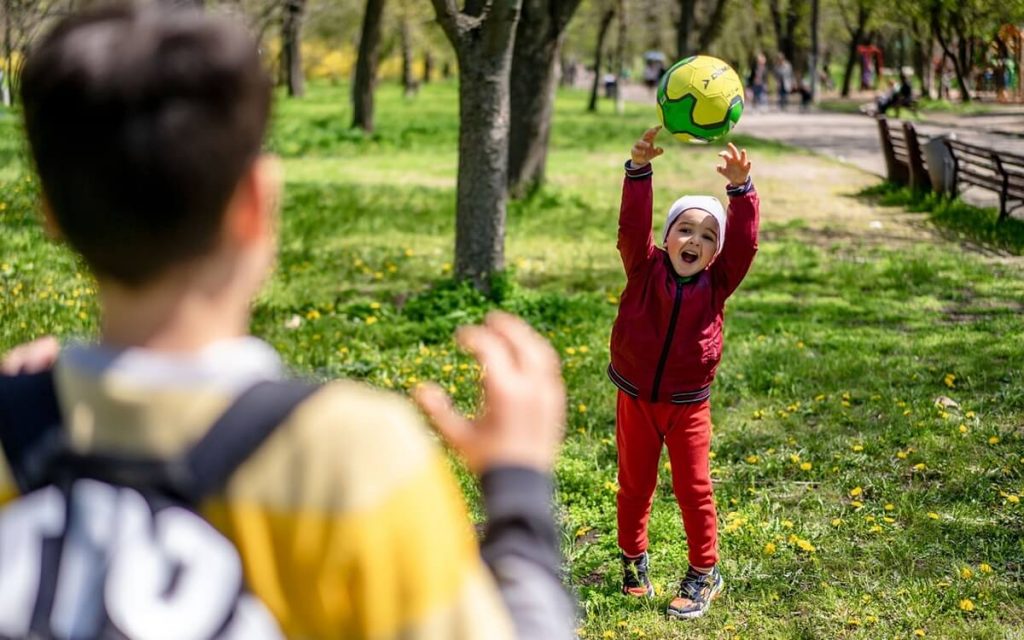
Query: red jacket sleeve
[
  {"x": 635, "y": 242},
  {"x": 740, "y": 240}
]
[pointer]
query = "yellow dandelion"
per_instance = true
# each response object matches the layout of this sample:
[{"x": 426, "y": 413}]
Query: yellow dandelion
[
  {"x": 622, "y": 624},
  {"x": 611, "y": 486},
  {"x": 787, "y": 524},
  {"x": 920, "y": 466},
  {"x": 667, "y": 466},
  {"x": 985, "y": 567},
  {"x": 608, "y": 634},
  {"x": 805, "y": 466},
  {"x": 613, "y": 299},
  {"x": 370, "y": 319},
  {"x": 856, "y": 491},
  {"x": 769, "y": 549},
  {"x": 856, "y": 504},
  {"x": 888, "y": 520},
  {"x": 1013, "y": 499},
  {"x": 805, "y": 545},
  {"x": 582, "y": 408},
  {"x": 963, "y": 428},
  {"x": 967, "y": 605},
  {"x": 447, "y": 368},
  {"x": 969, "y": 414},
  {"x": 950, "y": 380},
  {"x": 819, "y": 397},
  {"x": 794, "y": 458},
  {"x": 889, "y": 507},
  {"x": 583, "y": 348},
  {"x": 837, "y": 522},
  {"x": 919, "y": 633},
  {"x": 902, "y": 455},
  {"x": 753, "y": 459},
  {"x": 933, "y": 515},
  {"x": 966, "y": 573},
  {"x": 993, "y": 440},
  {"x": 375, "y": 305},
  {"x": 571, "y": 351},
  {"x": 875, "y": 529},
  {"x": 858, "y": 448},
  {"x": 870, "y": 619}
]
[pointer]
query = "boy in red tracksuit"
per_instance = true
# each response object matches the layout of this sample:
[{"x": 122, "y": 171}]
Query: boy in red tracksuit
[{"x": 665, "y": 348}]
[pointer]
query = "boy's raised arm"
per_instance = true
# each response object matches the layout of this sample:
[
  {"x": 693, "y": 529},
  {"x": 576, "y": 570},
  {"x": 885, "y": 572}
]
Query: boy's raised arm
[
  {"x": 635, "y": 243},
  {"x": 740, "y": 247}
]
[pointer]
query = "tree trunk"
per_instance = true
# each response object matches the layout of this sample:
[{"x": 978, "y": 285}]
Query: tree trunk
[
  {"x": 483, "y": 163},
  {"x": 483, "y": 41},
  {"x": 713, "y": 27},
  {"x": 684, "y": 28},
  {"x": 620, "y": 58},
  {"x": 965, "y": 94},
  {"x": 539, "y": 37},
  {"x": 428, "y": 66},
  {"x": 8, "y": 90},
  {"x": 291, "y": 47},
  {"x": 602, "y": 31},
  {"x": 365, "y": 81},
  {"x": 815, "y": 48},
  {"x": 409, "y": 85},
  {"x": 851, "y": 60},
  {"x": 652, "y": 24}
]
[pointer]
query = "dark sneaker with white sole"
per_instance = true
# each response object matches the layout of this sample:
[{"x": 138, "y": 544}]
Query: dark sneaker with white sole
[
  {"x": 696, "y": 591},
  {"x": 634, "y": 577}
]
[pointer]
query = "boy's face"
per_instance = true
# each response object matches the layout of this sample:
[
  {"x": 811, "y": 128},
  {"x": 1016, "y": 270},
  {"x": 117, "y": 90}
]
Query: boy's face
[{"x": 692, "y": 241}]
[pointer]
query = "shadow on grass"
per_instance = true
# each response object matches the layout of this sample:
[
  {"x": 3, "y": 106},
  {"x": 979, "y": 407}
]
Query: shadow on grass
[{"x": 955, "y": 219}]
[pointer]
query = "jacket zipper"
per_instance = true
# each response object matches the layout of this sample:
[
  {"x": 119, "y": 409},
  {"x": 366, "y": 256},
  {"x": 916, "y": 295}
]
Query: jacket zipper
[{"x": 668, "y": 342}]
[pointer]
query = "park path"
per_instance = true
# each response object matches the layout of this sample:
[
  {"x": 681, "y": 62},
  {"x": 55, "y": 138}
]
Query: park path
[{"x": 853, "y": 138}]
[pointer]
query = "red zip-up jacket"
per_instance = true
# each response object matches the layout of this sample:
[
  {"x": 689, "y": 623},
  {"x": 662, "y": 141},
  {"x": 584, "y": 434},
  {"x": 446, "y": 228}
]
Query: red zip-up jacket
[{"x": 667, "y": 339}]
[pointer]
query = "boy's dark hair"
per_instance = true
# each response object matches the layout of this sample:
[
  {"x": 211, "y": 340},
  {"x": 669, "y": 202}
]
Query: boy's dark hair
[{"x": 142, "y": 121}]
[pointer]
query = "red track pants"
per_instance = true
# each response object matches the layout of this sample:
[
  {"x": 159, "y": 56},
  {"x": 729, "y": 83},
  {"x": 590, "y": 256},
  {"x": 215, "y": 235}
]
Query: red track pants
[{"x": 642, "y": 428}]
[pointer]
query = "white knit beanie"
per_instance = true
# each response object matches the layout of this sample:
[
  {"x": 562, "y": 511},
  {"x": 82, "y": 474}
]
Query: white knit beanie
[{"x": 704, "y": 203}]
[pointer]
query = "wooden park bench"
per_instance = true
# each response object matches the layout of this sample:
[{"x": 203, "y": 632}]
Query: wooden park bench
[
  {"x": 997, "y": 171},
  {"x": 904, "y": 162}
]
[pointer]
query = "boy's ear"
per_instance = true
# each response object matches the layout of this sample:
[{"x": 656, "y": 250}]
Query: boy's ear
[{"x": 253, "y": 208}]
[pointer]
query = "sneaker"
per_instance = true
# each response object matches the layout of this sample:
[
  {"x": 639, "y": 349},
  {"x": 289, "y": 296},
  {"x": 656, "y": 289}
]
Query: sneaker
[
  {"x": 696, "y": 591},
  {"x": 634, "y": 577}
]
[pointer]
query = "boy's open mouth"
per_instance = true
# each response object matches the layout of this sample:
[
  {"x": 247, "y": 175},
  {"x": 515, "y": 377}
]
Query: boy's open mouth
[{"x": 688, "y": 256}]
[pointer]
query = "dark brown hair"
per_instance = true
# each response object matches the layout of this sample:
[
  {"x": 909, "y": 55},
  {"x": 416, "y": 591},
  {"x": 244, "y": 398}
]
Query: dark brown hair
[{"x": 142, "y": 121}]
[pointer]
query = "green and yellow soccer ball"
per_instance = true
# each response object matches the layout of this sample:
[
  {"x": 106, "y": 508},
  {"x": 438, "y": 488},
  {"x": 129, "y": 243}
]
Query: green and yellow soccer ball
[{"x": 700, "y": 99}]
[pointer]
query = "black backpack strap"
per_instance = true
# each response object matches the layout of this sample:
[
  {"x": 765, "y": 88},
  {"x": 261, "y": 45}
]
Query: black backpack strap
[
  {"x": 237, "y": 434},
  {"x": 29, "y": 419}
]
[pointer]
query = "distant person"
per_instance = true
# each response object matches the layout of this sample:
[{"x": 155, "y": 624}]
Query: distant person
[
  {"x": 758, "y": 80},
  {"x": 665, "y": 348},
  {"x": 183, "y": 486},
  {"x": 783, "y": 80}
]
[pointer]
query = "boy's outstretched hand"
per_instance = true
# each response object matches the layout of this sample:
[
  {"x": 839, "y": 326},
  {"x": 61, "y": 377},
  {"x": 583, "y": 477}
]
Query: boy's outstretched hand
[
  {"x": 737, "y": 167},
  {"x": 522, "y": 417},
  {"x": 644, "y": 150}
]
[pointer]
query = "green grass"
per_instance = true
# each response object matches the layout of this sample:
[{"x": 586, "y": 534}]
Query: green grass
[{"x": 837, "y": 346}]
